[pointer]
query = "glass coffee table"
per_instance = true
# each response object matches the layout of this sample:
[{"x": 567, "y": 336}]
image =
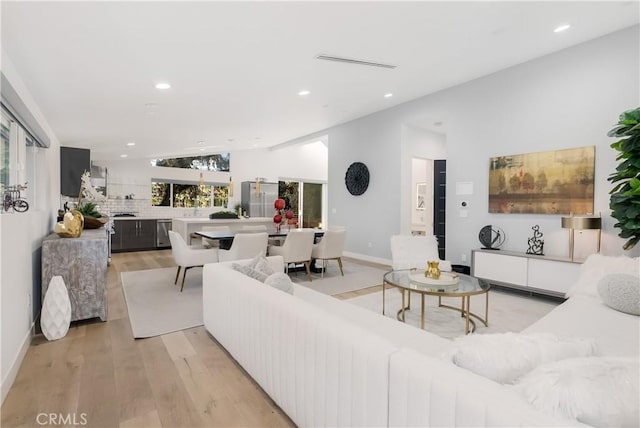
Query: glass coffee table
[{"x": 452, "y": 285}]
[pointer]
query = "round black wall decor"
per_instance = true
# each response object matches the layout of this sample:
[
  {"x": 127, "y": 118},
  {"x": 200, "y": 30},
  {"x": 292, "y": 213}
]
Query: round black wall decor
[{"x": 357, "y": 178}]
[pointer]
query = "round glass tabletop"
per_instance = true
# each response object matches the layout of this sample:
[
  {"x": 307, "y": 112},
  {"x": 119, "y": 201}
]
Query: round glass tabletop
[{"x": 413, "y": 280}]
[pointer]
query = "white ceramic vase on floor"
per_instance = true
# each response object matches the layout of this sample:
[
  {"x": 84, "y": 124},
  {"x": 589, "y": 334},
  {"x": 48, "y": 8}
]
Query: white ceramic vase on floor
[{"x": 56, "y": 310}]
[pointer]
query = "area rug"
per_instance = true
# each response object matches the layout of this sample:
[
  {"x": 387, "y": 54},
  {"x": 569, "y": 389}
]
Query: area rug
[
  {"x": 508, "y": 311},
  {"x": 356, "y": 276},
  {"x": 156, "y": 306}
]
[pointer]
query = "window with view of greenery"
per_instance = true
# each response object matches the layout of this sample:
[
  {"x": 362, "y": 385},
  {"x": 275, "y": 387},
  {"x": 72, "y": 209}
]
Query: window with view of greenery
[
  {"x": 215, "y": 162},
  {"x": 188, "y": 195}
]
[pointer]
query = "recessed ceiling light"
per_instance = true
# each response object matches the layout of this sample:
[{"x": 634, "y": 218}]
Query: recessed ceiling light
[
  {"x": 303, "y": 93},
  {"x": 201, "y": 142},
  {"x": 202, "y": 149},
  {"x": 131, "y": 143},
  {"x": 123, "y": 156},
  {"x": 151, "y": 105},
  {"x": 562, "y": 28},
  {"x": 389, "y": 95},
  {"x": 162, "y": 86}
]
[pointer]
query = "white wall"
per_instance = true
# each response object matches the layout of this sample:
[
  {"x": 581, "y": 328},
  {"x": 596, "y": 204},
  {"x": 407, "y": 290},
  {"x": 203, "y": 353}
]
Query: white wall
[
  {"x": 567, "y": 99},
  {"x": 21, "y": 236}
]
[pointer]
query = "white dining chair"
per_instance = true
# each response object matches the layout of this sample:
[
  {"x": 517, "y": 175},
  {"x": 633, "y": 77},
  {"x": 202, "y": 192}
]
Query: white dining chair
[
  {"x": 296, "y": 249},
  {"x": 187, "y": 256},
  {"x": 245, "y": 246},
  {"x": 330, "y": 247}
]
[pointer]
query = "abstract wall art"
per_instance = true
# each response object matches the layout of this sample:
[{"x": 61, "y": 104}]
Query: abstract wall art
[{"x": 554, "y": 182}]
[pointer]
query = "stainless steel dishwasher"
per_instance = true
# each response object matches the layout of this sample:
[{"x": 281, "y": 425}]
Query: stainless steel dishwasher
[{"x": 162, "y": 233}]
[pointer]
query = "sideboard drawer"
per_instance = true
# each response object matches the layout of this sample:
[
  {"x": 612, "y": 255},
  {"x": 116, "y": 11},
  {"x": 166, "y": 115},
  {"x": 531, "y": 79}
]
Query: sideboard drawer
[{"x": 500, "y": 268}]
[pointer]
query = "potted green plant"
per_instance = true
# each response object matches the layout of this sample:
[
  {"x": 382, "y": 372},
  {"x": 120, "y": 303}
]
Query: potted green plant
[
  {"x": 87, "y": 204},
  {"x": 625, "y": 195},
  {"x": 223, "y": 214}
]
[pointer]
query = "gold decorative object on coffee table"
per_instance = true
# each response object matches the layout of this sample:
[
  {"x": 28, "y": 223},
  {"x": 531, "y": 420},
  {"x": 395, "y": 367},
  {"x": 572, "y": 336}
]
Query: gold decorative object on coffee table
[{"x": 433, "y": 271}]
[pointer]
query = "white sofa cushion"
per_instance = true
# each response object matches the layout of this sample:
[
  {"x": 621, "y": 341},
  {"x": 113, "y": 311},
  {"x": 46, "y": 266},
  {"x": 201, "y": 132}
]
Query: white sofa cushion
[
  {"x": 597, "y": 266},
  {"x": 428, "y": 392},
  {"x": 320, "y": 369},
  {"x": 601, "y": 392},
  {"x": 400, "y": 334},
  {"x": 616, "y": 334},
  {"x": 504, "y": 357},
  {"x": 621, "y": 292}
]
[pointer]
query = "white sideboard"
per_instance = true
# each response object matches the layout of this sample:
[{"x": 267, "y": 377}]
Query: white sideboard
[{"x": 538, "y": 274}]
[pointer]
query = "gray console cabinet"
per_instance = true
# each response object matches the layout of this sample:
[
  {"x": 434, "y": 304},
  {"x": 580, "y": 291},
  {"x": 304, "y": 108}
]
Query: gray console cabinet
[{"x": 82, "y": 264}]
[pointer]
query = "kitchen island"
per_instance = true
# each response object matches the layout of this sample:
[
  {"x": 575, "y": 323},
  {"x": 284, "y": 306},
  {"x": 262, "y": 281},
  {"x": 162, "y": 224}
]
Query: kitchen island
[{"x": 186, "y": 226}]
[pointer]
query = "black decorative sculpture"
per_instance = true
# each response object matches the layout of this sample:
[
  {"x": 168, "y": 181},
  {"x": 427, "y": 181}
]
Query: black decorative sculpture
[
  {"x": 491, "y": 237},
  {"x": 536, "y": 243}
]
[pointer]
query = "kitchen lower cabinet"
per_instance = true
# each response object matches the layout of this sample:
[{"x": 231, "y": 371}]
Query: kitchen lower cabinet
[{"x": 132, "y": 235}]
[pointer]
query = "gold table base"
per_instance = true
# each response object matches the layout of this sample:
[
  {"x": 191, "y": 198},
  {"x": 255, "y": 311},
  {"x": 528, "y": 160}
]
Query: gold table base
[{"x": 464, "y": 310}]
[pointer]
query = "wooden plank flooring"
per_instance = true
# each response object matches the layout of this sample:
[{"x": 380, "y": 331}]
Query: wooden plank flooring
[{"x": 182, "y": 379}]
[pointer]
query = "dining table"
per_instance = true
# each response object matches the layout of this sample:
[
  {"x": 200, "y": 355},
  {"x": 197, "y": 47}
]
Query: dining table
[
  {"x": 230, "y": 234},
  {"x": 225, "y": 237}
]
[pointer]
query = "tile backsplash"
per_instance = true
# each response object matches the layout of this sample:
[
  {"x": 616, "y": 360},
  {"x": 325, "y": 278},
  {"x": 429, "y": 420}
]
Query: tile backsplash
[{"x": 143, "y": 208}]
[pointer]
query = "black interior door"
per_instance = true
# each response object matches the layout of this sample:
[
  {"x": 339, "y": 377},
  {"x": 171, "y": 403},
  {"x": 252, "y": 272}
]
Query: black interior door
[{"x": 440, "y": 203}]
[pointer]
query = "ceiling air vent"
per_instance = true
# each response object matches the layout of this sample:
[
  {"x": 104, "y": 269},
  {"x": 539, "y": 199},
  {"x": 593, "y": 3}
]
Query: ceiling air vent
[{"x": 354, "y": 61}]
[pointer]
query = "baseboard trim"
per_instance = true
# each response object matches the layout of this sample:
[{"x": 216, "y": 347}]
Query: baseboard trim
[
  {"x": 367, "y": 258},
  {"x": 7, "y": 382}
]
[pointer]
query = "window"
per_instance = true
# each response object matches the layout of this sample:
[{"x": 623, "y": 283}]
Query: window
[
  {"x": 188, "y": 194},
  {"x": 304, "y": 199},
  {"x": 215, "y": 162},
  {"x": 18, "y": 156}
]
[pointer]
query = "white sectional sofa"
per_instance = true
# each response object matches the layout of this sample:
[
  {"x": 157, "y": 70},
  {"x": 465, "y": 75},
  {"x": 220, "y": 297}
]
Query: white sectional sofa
[{"x": 326, "y": 362}]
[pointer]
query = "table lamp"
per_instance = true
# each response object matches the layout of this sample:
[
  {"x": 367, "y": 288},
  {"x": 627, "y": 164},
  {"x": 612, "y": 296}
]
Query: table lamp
[{"x": 572, "y": 223}]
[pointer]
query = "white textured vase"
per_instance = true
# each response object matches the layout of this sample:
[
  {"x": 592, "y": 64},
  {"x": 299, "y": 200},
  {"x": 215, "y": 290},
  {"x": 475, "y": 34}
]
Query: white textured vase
[{"x": 56, "y": 310}]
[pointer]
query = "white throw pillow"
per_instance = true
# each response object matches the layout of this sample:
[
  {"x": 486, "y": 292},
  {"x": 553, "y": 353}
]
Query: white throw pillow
[
  {"x": 597, "y": 266},
  {"x": 621, "y": 292},
  {"x": 250, "y": 272},
  {"x": 597, "y": 391},
  {"x": 504, "y": 357},
  {"x": 281, "y": 281},
  {"x": 262, "y": 265}
]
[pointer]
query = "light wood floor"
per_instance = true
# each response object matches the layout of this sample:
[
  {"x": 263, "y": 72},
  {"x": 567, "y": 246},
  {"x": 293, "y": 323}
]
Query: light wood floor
[{"x": 100, "y": 373}]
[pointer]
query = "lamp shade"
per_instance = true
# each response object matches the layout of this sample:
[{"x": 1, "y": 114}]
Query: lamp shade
[{"x": 581, "y": 223}]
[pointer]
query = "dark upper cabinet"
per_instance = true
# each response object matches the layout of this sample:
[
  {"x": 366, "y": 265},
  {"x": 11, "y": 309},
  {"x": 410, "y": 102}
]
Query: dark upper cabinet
[{"x": 73, "y": 163}]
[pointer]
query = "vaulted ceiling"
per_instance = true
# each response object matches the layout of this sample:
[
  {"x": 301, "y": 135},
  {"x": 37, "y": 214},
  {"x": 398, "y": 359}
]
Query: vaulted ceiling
[{"x": 236, "y": 68}]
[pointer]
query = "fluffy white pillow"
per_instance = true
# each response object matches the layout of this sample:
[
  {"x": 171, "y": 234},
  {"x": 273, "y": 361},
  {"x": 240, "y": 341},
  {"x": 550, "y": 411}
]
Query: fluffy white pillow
[
  {"x": 597, "y": 266},
  {"x": 261, "y": 264},
  {"x": 281, "y": 281},
  {"x": 250, "y": 272},
  {"x": 504, "y": 357},
  {"x": 597, "y": 391},
  {"x": 621, "y": 292}
]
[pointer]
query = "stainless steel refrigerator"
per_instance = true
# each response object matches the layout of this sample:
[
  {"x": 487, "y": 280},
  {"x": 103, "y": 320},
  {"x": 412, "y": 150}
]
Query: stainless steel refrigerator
[{"x": 260, "y": 203}]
